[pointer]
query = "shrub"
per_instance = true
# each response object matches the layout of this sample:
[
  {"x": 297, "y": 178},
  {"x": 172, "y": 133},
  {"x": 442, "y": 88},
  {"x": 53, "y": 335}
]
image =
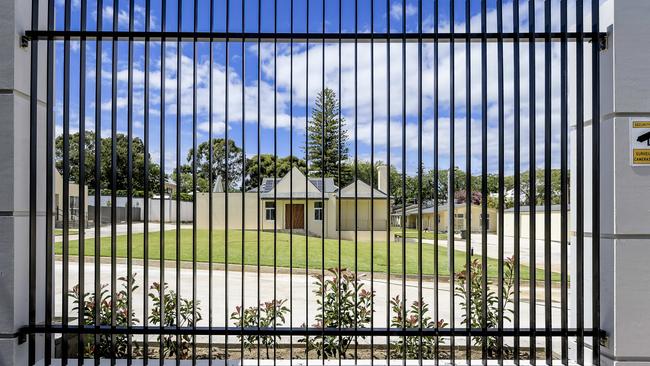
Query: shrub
[
  {"x": 106, "y": 347},
  {"x": 185, "y": 309},
  {"x": 410, "y": 347},
  {"x": 475, "y": 299},
  {"x": 267, "y": 315},
  {"x": 342, "y": 302}
]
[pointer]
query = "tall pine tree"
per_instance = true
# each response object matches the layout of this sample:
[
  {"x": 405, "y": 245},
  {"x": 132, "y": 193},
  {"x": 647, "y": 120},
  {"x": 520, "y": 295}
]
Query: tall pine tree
[{"x": 326, "y": 148}]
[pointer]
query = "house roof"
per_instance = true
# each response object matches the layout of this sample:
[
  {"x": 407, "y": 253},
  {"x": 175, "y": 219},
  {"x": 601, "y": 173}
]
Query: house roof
[
  {"x": 302, "y": 187},
  {"x": 428, "y": 209},
  {"x": 311, "y": 188},
  {"x": 360, "y": 190}
]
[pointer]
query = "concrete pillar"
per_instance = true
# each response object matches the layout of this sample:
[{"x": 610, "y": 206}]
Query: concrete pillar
[
  {"x": 625, "y": 198},
  {"x": 14, "y": 176}
]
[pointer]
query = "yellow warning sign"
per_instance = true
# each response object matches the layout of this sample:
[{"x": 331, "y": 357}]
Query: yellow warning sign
[
  {"x": 639, "y": 142},
  {"x": 641, "y": 156}
]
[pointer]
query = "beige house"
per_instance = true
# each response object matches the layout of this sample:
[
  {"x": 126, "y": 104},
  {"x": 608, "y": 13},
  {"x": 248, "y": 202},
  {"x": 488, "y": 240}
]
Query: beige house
[
  {"x": 428, "y": 217},
  {"x": 303, "y": 205},
  {"x": 73, "y": 200},
  {"x": 524, "y": 223}
]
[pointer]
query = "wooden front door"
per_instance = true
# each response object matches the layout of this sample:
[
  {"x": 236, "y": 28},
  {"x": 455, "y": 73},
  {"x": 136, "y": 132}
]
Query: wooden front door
[{"x": 294, "y": 217}]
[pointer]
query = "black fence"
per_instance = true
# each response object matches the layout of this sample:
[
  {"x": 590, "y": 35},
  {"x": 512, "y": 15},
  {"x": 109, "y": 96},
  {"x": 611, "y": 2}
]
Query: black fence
[{"x": 284, "y": 120}]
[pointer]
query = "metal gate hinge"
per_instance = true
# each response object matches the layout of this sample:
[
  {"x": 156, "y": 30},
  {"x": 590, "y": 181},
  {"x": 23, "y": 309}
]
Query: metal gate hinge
[
  {"x": 603, "y": 43},
  {"x": 24, "y": 41},
  {"x": 604, "y": 339}
]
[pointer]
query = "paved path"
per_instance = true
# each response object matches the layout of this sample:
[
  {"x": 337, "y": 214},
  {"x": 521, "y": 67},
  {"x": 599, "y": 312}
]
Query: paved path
[
  {"x": 121, "y": 229},
  {"x": 299, "y": 287},
  {"x": 509, "y": 248}
]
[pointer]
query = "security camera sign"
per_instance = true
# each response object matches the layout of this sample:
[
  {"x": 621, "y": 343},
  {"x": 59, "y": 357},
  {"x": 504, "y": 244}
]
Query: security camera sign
[{"x": 639, "y": 142}]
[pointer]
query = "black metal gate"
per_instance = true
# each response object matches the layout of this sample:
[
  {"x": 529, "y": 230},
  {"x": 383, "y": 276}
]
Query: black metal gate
[{"x": 435, "y": 221}]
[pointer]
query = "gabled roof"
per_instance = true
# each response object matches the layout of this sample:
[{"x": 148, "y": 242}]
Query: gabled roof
[
  {"x": 360, "y": 190},
  {"x": 301, "y": 187}
]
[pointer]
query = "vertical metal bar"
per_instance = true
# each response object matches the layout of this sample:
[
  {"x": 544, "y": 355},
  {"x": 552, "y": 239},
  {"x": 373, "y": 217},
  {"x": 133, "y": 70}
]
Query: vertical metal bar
[
  {"x": 49, "y": 190},
  {"x": 372, "y": 179},
  {"x": 356, "y": 173},
  {"x": 548, "y": 324},
  {"x": 420, "y": 197},
  {"x": 162, "y": 177},
  {"x": 580, "y": 229},
  {"x": 501, "y": 183},
  {"x": 324, "y": 142},
  {"x": 179, "y": 187},
  {"x": 129, "y": 194},
  {"x": 114, "y": 167},
  {"x": 595, "y": 146},
  {"x": 388, "y": 206},
  {"x": 194, "y": 157},
  {"x": 211, "y": 179},
  {"x": 290, "y": 185},
  {"x": 338, "y": 294},
  {"x": 82, "y": 181},
  {"x": 484, "y": 173},
  {"x": 436, "y": 182},
  {"x": 404, "y": 196},
  {"x": 468, "y": 178},
  {"x": 33, "y": 168},
  {"x": 306, "y": 178},
  {"x": 66, "y": 186},
  {"x": 517, "y": 183},
  {"x": 452, "y": 183},
  {"x": 146, "y": 188},
  {"x": 564, "y": 198},
  {"x": 532, "y": 172},
  {"x": 226, "y": 180},
  {"x": 243, "y": 170},
  {"x": 259, "y": 164},
  {"x": 275, "y": 166},
  {"x": 98, "y": 177}
]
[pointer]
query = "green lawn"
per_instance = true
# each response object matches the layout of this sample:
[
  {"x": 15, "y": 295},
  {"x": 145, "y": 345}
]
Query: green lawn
[
  {"x": 58, "y": 232},
  {"x": 282, "y": 245},
  {"x": 413, "y": 233}
]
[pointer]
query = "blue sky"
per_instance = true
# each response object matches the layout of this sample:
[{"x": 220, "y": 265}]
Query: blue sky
[{"x": 294, "y": 101}]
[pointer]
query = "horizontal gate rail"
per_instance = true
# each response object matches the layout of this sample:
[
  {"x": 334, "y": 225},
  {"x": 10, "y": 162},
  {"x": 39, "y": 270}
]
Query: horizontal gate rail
[
  {"x": 294, "y": 331},
  {"x": 522, "y": 37}
]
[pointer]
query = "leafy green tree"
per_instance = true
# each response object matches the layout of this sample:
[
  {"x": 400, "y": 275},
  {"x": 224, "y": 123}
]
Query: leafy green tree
[
  {"x": 267, "y": 168},
  {"x": 327, "y": 147},
  {"x": 187, "y": 180},
  {"x": 227, "y": 165},
  {"x": 105, "y": 181},
  {"x": 556, "y": 187}
]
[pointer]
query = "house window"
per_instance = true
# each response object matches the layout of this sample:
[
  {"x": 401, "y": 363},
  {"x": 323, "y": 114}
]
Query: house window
[
  {"x": 459, "y": 221},
  {"x": 269, "y": 209},
  {"x": 318, "y": 211}
]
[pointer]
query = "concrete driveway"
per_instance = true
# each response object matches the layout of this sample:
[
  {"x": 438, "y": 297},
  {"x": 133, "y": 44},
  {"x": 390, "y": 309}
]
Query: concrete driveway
[
  {"x": 508, "y": 246},
  {"x": 298, "y": 287}
]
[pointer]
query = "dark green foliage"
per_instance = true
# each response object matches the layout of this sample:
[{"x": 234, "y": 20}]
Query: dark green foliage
[
  {"x": 187, "y": 318},
  {"x": 105, "y": 347},
  {"x": 265, "y": 315},
  {"x": 228, "y": 167},
  {"x": 475, "y": 300},
  {"x": 267, "y": 168},
  {"x": 343, "y": 302},
  {"x": 138, "y": 155},
  {"x": 326, "y": 146},
  {"x": 414, "y": 347}
]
